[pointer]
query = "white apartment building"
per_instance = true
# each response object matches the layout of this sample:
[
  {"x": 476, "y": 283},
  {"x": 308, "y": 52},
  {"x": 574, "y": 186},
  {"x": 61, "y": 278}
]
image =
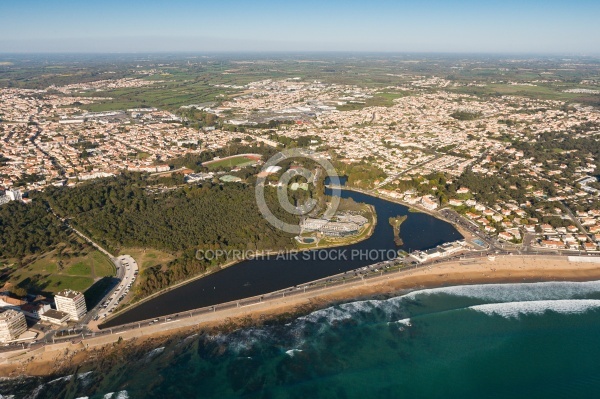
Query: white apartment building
[
  {"x": 72, "y": 303},
  {"x": 14, "y": 195},
  {"x": 429, "y": 202},
  {"x": 10, "y": 195},
  {"x": 12, "y": 324}
]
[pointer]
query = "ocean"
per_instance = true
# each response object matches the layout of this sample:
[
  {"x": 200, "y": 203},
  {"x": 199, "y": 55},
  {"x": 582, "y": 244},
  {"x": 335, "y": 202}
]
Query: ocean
[{"x": 530, "y": 340}]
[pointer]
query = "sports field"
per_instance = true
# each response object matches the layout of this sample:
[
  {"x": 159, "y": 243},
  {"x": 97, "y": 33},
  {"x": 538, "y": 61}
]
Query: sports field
[{"x": 233, "y": 161}]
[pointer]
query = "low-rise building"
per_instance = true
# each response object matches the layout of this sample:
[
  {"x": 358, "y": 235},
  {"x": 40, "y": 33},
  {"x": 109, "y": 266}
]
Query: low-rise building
[
  {"x": 333, "y": 229},
  {"x": 35, "y": 310},
  {"x": 505, "y": 236},
  {"x": 440, "y": 251},
  {"x": 350, "y": 218},
  {"x": 554, "y": 244},
  {"x": 589, "y": 246},
  {"x": 55, "y": 317}
]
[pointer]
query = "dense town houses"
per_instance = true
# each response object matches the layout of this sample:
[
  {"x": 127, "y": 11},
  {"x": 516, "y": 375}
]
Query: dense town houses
[{"x": 48, "y": 138}]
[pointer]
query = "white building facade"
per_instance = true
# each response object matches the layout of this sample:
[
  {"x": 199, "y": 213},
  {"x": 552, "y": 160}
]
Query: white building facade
[
  {"x": 12, "y": 324},
  {"x": 71, "y": 302}
]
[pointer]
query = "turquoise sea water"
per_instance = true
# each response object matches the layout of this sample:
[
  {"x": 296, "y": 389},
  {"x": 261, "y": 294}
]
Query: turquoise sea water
[{"x": 538, "y": 340}]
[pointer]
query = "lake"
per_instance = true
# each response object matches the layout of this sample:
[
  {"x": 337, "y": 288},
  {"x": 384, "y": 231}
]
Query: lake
[{"x": 255, "y": 277}]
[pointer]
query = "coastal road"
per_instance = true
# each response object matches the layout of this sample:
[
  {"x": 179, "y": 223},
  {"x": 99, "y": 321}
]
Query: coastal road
[
  {"x": 487, "y": 270},
  {"x": 577, "y": 222},
  {"x": 397, "y": 175},
  {"x": 454, "y": 218}
]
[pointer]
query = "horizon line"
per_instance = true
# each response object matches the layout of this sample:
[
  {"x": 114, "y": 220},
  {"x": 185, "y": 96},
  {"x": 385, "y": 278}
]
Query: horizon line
[{"x": 387, "y": 52}]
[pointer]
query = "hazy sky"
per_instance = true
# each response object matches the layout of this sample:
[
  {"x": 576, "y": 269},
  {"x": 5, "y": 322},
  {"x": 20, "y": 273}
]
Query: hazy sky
[{"x": 546, "y": 26}]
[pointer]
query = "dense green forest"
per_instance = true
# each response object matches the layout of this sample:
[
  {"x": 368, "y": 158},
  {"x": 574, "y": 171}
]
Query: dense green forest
[
  {"x": 28, "y": 229},
  {"x": 131, "y": 210},
  {"x": 120, "y": 212},
  {"x": 465, "y": 115},
  {"x": 361, "y": 175}
]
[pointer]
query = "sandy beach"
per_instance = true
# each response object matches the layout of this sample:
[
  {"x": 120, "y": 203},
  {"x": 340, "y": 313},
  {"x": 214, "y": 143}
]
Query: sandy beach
[{"x": 66, "y": 356}]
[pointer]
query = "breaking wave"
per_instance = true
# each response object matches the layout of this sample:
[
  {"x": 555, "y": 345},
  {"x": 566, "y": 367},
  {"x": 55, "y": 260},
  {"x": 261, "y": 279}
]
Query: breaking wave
[
  {"x": 300, "y": 339},
  {"x": 404, "y": 322},
  {"x": 515, "y": 292},
  {"x": 292, "y": 352},
  {"x": 516, "y": 309},
  {"x": 508, "y": 300},
  {"x": 117, "y": 395}
]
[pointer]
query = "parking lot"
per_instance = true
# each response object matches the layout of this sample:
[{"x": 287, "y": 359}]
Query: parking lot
[{"x": 127, "y": 271}]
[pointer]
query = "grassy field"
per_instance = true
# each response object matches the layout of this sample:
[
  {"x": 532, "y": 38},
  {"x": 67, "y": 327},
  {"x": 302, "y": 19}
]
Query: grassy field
[
  {"x": 170, "y": 91},
  {"x": 541, "y": 92},
  {"x": 199, "y": 80},
  {"x": 146, "y": 258},
  {"x": 51, "y": 273},
  {"x": 229, "y": 162}
]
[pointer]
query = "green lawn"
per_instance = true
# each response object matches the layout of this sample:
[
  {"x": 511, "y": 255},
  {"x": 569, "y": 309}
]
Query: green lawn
[
  {"x": 230, "y": 162},
  {"x": 541, "y": 92},
  {"x": 80, "y": 269},
  {"x": 146, "y": 258},
  {"x": 50, "y": 273},
  {"x": 169, "y": 95}
]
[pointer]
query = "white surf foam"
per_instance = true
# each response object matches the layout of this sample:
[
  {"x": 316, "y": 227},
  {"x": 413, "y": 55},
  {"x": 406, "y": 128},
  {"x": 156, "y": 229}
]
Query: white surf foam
[
  {"x": 486, "y": 292},
  {"x": 404, "y": 322},
  {"x": 34, "y": 394},
  {"x": 292, "y": 352},
  {"x": 515, "y": 309},
  {"x": 348, "y": 310},
  {"x": 120, "y": 395},
  {"x": 244, "y": 339},
  {"x": 330, "y": 315},
  {"x": 153, "y": 353},
  {"x": 61, "y": 379},
  {"x": 85, "y": 378},
  {"x": 513, "y": 295},
  {"x": 515, "y": 292}
]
